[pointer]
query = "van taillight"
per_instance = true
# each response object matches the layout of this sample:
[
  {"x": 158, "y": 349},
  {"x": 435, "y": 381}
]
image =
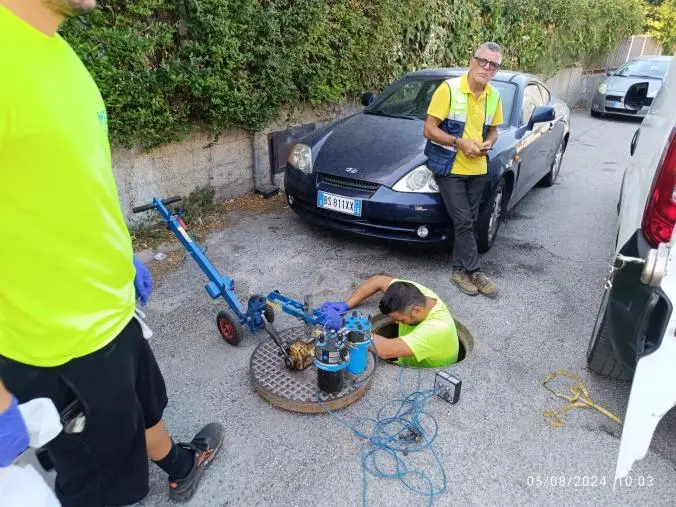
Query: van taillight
[{"x": 660, "y": 212}]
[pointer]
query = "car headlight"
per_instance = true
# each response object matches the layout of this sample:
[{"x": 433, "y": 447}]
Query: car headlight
[
  {"x": 603, "y": 87},
  {"x": 420, "y": 180},
  {"x": 301, "y": 158}
]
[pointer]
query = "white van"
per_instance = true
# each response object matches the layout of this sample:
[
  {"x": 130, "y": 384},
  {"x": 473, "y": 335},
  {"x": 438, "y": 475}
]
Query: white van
[{"x": 634, "y": 336}]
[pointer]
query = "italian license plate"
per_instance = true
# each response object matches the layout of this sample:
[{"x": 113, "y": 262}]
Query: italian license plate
[{"x": 339, "y": 203}]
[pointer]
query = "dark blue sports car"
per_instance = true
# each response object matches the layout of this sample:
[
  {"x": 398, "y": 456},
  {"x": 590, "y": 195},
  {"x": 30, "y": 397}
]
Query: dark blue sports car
[{"x": 365, "y": 174}]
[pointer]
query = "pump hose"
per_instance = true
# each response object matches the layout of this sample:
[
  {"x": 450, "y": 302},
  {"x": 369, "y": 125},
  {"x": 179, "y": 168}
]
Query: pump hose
[{"x": 396, "y": 435}]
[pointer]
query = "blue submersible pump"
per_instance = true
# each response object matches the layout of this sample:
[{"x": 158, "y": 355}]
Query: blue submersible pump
[
  {"x": 331, "y": 358},
  {"x": 358, "y": 329}
]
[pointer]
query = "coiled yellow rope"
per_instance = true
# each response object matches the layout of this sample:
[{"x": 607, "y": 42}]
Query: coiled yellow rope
[{"x": 579, "y": 398}]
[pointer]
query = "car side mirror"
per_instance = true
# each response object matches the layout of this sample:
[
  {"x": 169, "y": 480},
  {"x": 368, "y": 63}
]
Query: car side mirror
[
  {"x": 637, "y": 95},
  {"x": 368, "y": 98},
  {"x": 541, "y": 114}
]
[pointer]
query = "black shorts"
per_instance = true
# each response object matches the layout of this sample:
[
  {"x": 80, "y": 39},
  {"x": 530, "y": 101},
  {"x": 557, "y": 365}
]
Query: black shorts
[{"x": 122, "y": 392}]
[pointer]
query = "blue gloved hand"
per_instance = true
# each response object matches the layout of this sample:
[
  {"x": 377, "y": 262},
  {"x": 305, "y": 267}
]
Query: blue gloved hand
[
  {"x": 13, "y": 434},
  {"x": 339, "y": 306},
  {"x": 333, "y": 319},
  {"x": 143, "y": 282}
]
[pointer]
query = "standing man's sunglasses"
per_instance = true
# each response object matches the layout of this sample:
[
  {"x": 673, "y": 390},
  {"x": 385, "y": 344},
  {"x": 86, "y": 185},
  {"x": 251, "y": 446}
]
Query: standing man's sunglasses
[{"x": 483, "y": 62}]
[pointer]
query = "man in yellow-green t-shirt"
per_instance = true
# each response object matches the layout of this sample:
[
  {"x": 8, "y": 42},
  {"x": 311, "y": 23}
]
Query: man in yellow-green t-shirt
[
  {"x": 69, "y": 281},
  {"x": 427, "y": 336},
  {"x": 461, "y": 128}
]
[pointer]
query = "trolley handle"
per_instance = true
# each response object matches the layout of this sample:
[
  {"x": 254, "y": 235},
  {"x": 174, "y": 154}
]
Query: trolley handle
[{"x": 146, "y": 207}]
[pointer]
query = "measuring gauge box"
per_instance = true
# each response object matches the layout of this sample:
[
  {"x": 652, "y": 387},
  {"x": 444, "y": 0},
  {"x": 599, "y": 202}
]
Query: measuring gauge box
[{"x": 447, "y": 387}]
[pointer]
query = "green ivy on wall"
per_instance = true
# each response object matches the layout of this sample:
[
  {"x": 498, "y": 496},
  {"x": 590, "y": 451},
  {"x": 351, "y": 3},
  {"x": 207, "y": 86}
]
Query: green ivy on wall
[{"x": 167, "y": 68}]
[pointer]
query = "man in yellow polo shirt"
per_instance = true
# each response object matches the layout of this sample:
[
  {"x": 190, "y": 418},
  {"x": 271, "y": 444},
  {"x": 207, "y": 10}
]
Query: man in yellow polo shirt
[
  {"x": 461, "y": 128},
  {"x": 427, "y": 336},
  {"x": 69, "y": 281}
]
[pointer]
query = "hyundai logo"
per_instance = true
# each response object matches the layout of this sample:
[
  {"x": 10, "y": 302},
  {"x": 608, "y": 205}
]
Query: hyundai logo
[{"x": 351, "y": 170}]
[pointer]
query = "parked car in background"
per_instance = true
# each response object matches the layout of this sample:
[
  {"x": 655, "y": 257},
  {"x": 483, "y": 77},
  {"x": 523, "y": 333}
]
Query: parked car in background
[
  {"x": 609, "y": 96},
  {"x": 634, "y": 333},
  {"x": 366, "y": 174}
]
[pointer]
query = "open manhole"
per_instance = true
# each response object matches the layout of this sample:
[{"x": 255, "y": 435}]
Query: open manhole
[{"x": 385, "y": 326}]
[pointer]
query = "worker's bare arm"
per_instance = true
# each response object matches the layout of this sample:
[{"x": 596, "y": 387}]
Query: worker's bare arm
[
  {"x": 377, "y": 283},
  {"x": 390, "y": 348}
]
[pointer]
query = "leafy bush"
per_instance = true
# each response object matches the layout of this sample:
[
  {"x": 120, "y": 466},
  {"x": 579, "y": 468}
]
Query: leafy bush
[
  {"x": 661, "y": 23},
  {"x": 198, "y": 203},
  {"x": 166, "y": 68}
]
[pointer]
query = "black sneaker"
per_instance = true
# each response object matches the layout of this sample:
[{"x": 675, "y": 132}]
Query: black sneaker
[{"x": 205, "y": 445}]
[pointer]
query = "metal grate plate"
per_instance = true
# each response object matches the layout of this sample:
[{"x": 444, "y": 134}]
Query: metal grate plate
[{"x": 296, "y": 390}]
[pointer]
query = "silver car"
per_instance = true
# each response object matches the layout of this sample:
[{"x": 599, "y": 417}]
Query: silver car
[{"x": 609, "y": 96}]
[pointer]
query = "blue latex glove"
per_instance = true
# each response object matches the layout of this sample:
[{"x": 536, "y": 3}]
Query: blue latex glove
[
  {"x": 339, "y": 306},
  {"x": 333, "y": 319},
  {"x": 143, "y": 282},
  {"x": 13, "y": 434}
]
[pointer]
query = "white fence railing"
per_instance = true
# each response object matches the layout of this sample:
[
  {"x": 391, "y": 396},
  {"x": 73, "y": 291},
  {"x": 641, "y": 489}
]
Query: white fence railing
[{"x": 631, "y": 47}]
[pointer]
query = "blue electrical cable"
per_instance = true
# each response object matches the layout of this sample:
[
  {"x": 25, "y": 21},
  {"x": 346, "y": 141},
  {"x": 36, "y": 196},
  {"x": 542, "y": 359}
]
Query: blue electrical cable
[{"x": 395, "y": 437}]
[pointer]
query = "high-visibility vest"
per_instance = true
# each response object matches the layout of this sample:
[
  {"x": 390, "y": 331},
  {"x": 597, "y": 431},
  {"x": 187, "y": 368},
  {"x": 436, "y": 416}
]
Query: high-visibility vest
[{"x": 440, "y": 158}]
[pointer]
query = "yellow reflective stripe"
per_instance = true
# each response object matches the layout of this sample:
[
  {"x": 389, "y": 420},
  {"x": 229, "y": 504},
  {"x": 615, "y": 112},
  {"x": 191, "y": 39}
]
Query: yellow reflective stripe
[
  {"x": 492, "y": 106},
  {"x": 458, "y": 111},
  {"x": 449, "y": 148}
]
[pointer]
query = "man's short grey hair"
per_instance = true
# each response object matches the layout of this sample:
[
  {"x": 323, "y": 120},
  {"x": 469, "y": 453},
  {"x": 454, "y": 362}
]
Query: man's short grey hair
[{"x": 490, "y": 46}]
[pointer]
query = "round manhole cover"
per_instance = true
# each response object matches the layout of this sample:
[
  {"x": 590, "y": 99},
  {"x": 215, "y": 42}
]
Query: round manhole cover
[{"x": 296, "y": 390}]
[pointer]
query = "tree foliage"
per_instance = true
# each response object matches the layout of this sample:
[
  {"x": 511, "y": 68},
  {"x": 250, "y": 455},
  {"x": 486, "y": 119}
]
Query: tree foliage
[
  {"x": 166, "y": 68},
  {"x": 661, "y": 23}
]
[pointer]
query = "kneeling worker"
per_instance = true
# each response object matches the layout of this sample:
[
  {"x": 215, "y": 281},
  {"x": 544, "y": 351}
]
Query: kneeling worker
[{"x": 427, "y": 334}]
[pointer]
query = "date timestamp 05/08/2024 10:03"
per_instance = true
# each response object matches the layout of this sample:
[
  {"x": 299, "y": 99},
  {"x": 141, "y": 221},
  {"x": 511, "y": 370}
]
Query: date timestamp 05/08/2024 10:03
[{"x": 588, "y": 481}]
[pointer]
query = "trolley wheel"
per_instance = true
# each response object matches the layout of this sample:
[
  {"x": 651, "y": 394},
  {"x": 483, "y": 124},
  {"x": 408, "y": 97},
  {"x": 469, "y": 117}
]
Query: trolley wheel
[{"x": 229, "y": 327}]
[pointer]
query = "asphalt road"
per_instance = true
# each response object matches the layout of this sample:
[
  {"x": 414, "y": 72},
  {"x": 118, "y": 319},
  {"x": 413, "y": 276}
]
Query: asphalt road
[{"x": 496, "y": 446}]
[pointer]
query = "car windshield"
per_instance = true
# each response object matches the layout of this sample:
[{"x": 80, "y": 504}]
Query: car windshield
[
  {"x": 656, "y": 69},
  {"x": 409, "y": 98}
]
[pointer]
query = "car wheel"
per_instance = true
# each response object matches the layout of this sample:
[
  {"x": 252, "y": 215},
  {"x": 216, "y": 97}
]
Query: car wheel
[
  {"x": 550, "y": 179},
  {"x": 601, "y": 358},
  {"x": 489, "y": 219},
  {"x": 596, "y": 114}
]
